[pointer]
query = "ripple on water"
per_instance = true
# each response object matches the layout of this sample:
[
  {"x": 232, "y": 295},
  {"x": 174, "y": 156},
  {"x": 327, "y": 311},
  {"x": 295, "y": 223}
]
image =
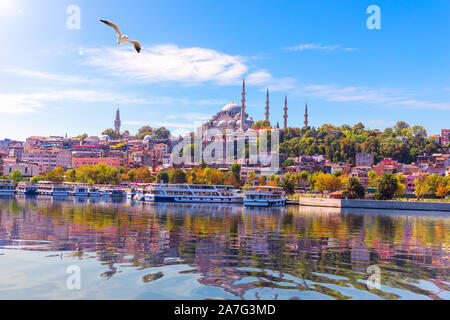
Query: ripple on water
[{"x": 172, "y": 251}]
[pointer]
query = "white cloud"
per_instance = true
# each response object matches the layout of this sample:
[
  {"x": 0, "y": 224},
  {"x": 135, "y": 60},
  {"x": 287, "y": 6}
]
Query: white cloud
[
  {"x": 264, "y": 78},
  {"x": 168, "y": 62},
  {"x": 52, "y": 77},
  {"x": 317, "y": 46},
  {"x": 190, "y": 66},
  {"x": 335, "y": 93},
  {"x": 30, "y": 102}
]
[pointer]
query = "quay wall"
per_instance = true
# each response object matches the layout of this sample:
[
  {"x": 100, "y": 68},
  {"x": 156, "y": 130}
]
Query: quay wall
[{"x": 376, "y": 204}]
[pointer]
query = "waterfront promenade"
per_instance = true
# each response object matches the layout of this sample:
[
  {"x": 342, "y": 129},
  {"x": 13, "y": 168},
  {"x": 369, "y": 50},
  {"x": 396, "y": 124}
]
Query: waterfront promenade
[{"x": 377, "y": 204}]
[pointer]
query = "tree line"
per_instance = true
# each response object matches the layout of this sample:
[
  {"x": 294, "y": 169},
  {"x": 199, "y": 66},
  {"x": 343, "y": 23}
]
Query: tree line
[{"x": 341, "y": 143}]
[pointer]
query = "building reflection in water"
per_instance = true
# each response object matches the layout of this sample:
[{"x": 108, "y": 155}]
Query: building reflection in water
[{"x": 235, "y": 248}]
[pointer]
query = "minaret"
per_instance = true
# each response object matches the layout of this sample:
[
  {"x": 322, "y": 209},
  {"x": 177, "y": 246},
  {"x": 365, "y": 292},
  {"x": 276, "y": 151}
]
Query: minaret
[
  {"x": 285, "y": 112},
  {"x": 243, "y": 105},
  {"x": 267, "y": 105},
  {"x": 117, "y": 122},
  {"x": 306, "y": 114}
]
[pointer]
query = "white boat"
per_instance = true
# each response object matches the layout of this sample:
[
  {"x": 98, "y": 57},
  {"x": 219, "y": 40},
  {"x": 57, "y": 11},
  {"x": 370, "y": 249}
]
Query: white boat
[
  {"x": 77, "y": 190},
  {"x": 192, "y": 193},
  {"x": 27, "y": 189},
  {"x": 94, "y": 192},
  {"x": 264, "y": 196},
  {"x": 112, "y": 192},
  {"x": 52, "y": 189},
  {"x": 140, "y": 191},
  {"x": 105, "y": 192},
  {"x": 6, "y": 188},
  {"x": 130, "y": 192}
]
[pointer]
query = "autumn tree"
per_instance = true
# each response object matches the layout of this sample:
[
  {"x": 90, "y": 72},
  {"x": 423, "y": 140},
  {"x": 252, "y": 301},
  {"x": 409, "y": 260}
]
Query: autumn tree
[{"x": 442, "y": 190}]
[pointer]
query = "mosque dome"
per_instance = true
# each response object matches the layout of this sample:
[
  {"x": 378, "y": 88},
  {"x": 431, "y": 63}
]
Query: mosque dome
[
  {"x": 148, "y": 137},
  {"x": 105, "y": 138},
  {"x": 230, "y": 123},
  {"x": 214, "y": 123},
  {"x": 231, "y": 107},
  {"x": 222, "y": 123}
]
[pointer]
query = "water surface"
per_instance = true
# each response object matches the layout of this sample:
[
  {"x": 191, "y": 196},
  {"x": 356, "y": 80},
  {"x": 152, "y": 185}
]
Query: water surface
[{"x": 127, "y": 250}]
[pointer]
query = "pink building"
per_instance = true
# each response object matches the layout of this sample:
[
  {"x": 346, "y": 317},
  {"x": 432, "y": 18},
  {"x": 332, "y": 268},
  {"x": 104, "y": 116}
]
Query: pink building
[
  {"x": 362, "y": 172},
  {"x": 48, "y": 158},
  {"x": 409, "y": 183},
  {"x": 445, "y": 137}
]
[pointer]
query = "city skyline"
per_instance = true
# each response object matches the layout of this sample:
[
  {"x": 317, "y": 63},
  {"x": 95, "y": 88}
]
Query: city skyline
[{"x": 58, "y": 80}]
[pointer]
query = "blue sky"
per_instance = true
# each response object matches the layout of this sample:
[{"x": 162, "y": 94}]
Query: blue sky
[{"x": 56, "y": 80}]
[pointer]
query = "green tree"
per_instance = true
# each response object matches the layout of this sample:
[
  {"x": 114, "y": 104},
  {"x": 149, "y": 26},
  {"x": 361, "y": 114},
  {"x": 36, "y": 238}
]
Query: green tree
[
  {"x": 15, "y": 176},
  {"x": 421, "y": 188},
  {"x": 236, "y": 170},
  {"x": 162, "y": 177},
  {"x": 288, "y": 184},
  {"x": 433, "y": 181},
  {"x": 144, "y": 131},
  {"x": 55, "y": 175},
  {"x": 287, "y": 163},
  {"x": 161, "y": 133},
  {"x": 263, "y": 124},
  {"x": 113, "y": 134},
  {"x": 71, "y": 175},
  {"x": 251, "y": 177},
  {"x": 262, "y": 180},
  {"x": 177, "y": 176},
  {"x": 353, "y": 189},
  {"x": 386, "y": 187},
  {"x": 337, "y": 173}
]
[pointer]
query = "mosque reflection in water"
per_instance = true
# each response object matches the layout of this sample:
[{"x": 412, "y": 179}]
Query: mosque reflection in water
[{"x": 241, "y": 250}]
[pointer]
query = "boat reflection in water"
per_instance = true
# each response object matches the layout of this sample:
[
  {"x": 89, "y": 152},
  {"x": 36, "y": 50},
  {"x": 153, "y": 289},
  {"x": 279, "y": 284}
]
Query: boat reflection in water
[{"x": 142, "y": 250}]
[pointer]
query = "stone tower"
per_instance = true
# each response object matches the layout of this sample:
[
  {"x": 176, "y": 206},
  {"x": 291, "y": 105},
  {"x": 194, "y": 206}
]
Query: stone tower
[
  {"x": 285, "y": 116},
  {"x": 267, "y": 105},
  {"x": 117, "y": 122},
  {"x": 243, "y": 105},
  {"x": 306, "y": 115}
]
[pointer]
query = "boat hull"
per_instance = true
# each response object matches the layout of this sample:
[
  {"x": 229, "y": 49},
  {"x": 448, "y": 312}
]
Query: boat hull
[
  {"x": 193, "y": 199},
  {"x": 6, "y": 193},
  {"x": 265, "y": 203}
]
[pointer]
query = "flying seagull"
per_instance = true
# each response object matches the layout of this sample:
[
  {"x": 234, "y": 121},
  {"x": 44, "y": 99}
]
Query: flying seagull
[{"x": 122, "y": 38}]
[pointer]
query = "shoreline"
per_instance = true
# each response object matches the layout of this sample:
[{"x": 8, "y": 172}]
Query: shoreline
[{"x": 443, "y": 207}]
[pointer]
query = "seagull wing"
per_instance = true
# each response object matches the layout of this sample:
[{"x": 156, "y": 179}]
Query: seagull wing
[
  {"x": 114, "y": 26},
  {"x": 136, "y": 44}
]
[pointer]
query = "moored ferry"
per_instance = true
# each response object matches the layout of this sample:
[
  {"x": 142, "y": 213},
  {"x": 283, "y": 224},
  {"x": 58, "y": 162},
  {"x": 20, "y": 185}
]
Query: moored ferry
[
  {"x": 94, "y": 192},
  {"x": 140, "y": 191},
  {"x": 27, "y": 189},
  {"x": 52, "y": 189},
  {"x": 6, "y": 188},
  {"x": 264, "y": 196},
  {"x": 191, "y": 193},
  {"x": 78, "y": 190},
  {"x": 112, "y": 192}
]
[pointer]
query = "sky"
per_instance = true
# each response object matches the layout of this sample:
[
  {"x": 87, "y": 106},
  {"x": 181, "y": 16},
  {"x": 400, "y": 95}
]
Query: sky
[{"x": 58, "y": 79}]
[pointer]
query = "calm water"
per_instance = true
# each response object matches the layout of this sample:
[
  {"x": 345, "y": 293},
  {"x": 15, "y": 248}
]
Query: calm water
[{"x": 169, "y": 251}]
